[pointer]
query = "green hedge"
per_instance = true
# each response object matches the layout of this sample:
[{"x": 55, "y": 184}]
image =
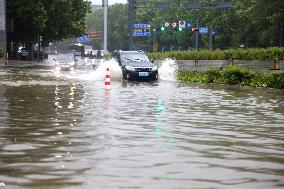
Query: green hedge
[
  {"x": 235, "y": 75},
  {"x": 239, "y": 54}
]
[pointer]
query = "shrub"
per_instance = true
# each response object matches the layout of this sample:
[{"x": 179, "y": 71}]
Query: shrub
[
  {"x": 269, "y": 79},
  {"x": 235, "y": 75},
  {"x": 212, "y": 75},
  {"x": 240, "y": 54}
]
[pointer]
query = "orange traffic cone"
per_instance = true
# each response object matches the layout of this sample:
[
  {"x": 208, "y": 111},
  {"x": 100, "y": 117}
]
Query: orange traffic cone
[{"x": 107, "y": 79}]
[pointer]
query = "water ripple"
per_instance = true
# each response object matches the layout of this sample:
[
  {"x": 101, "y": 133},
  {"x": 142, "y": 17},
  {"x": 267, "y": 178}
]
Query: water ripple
[{"x": 69, "y": 132}]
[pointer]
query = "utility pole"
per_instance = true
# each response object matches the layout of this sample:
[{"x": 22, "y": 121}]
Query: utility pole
[
  {"x": 131, "y": 18},
  {"x": 38, "y": 47},
  {"x": 105, "y": 5},
  {"x": 155, "y": 36}
]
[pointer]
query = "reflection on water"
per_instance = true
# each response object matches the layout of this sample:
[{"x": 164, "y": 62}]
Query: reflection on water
[{"x": 69, "y": 132}]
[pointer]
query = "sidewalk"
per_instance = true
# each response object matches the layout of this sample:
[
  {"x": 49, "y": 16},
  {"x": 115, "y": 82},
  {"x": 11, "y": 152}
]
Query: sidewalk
[{"x": 25, "y": 64}]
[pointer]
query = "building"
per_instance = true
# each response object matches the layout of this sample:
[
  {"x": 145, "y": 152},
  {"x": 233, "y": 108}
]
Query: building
[{"x": 3, "y": 38}]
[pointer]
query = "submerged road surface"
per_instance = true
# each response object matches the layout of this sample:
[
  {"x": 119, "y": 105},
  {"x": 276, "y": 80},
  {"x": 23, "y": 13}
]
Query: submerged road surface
[{"x": 64, "y": 130}]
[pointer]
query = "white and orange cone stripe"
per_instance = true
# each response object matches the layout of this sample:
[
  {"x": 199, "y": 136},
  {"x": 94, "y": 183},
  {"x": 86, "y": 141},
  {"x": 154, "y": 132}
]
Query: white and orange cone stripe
[{"x": 107, "y": 79}]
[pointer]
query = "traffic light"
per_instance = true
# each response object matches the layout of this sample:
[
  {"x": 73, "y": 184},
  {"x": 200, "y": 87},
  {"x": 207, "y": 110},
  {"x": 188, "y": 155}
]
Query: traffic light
[
  {"x": 194, "y": 29},
  {"x": 162, "y": 28},
  {"x": 180, "y": 29}
]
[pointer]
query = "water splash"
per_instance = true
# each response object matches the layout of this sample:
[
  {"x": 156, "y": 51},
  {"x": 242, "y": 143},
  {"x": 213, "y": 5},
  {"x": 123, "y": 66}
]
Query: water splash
[
  {"x": 168, "y": 69},
  {"x": 100, "y": 71}
]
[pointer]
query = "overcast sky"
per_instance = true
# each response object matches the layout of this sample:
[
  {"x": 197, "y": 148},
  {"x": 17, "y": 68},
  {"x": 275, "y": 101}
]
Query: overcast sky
[{"x": 111, "y": 2}]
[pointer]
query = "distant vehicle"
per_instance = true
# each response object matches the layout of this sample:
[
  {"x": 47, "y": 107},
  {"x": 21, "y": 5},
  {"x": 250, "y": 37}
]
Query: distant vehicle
[
  {"x": 77, "y": 53},
  {"x": 24, "y": 54},
  {"x": 135, "y": 65},
  {"x": 65, "y": 62},
  {"x": 78, "y": 49},
  {"x": 88, "y": 51}
]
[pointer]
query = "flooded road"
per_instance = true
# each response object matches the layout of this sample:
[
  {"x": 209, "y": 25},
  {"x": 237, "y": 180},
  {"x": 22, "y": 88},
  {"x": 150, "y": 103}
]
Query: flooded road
[{"x": 66, "y": 131}]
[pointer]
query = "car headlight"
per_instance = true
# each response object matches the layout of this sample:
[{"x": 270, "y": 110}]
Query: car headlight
[
  {"x": 72, "y": 64},
  {"x": 130, "y": 68},
  {"x": 154, "y": 68}
]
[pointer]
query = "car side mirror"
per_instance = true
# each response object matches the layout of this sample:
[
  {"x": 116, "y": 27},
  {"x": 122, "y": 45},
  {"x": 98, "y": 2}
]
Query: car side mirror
[
  {"x": 152, "y": 61},
  {"x": 76, "y": 59},
  {"x": 54, "y": 59}
]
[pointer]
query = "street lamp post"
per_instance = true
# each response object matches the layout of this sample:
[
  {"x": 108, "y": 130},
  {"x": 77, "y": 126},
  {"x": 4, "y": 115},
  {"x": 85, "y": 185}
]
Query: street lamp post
[
  {"x": 131, "y": 18},
  {"x": 155, "y": 35},
  {"x": 105, "y": 5}
]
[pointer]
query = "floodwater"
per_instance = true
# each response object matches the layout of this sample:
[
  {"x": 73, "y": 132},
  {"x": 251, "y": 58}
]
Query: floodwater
[{"x": 64, "y": 130}]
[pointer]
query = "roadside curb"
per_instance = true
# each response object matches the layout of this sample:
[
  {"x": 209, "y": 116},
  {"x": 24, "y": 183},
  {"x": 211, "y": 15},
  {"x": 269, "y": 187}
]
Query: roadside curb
[{"x": 24, "y": 64}]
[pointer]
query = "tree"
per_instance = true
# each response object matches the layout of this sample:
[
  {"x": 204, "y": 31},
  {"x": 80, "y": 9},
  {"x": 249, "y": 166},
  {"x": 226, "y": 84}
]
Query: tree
[
  {"x": 65, "y": 19},
  {"x": 53, "y": 19},
  {"x": 117, "y": 26},
  {"x": 29, "y": 17}
]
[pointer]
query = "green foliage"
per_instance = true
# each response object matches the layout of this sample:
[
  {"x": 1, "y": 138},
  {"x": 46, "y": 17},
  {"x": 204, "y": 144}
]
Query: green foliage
[
  {"x": 117, "y": 26},
  {"x": 257, "y": 23},
  {"x": 249, "y": 23},
  {"x": 53, "y": 20},
  {"x": 29, "y": 17},
  {"x": 239, "y": 54},
  {"x": 65, "y": 19},
  {"x": 212, "y": 75},
  {"x": 235, "y": 75},
  {"x": 270, "y": 79}
]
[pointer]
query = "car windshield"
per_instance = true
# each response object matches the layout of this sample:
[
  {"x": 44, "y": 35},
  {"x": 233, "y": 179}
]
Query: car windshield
[
  {"x": 134, "y": 57},
  {"x": 65, "y": 58}
]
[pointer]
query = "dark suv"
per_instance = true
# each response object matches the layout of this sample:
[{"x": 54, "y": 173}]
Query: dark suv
[{"x": 135, "y": 65}]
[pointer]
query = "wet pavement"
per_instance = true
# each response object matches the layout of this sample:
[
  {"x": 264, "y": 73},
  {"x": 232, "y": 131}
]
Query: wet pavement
[{"x": 64, "y": 130}]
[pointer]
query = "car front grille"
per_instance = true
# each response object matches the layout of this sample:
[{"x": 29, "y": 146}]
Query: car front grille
[{"x": 147, "y": 69}]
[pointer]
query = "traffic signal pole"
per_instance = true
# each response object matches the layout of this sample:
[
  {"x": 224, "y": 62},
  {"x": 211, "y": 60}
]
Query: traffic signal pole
[
  {"x": 196, "y": 36},
  {"x": 210, "y": 38}
]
